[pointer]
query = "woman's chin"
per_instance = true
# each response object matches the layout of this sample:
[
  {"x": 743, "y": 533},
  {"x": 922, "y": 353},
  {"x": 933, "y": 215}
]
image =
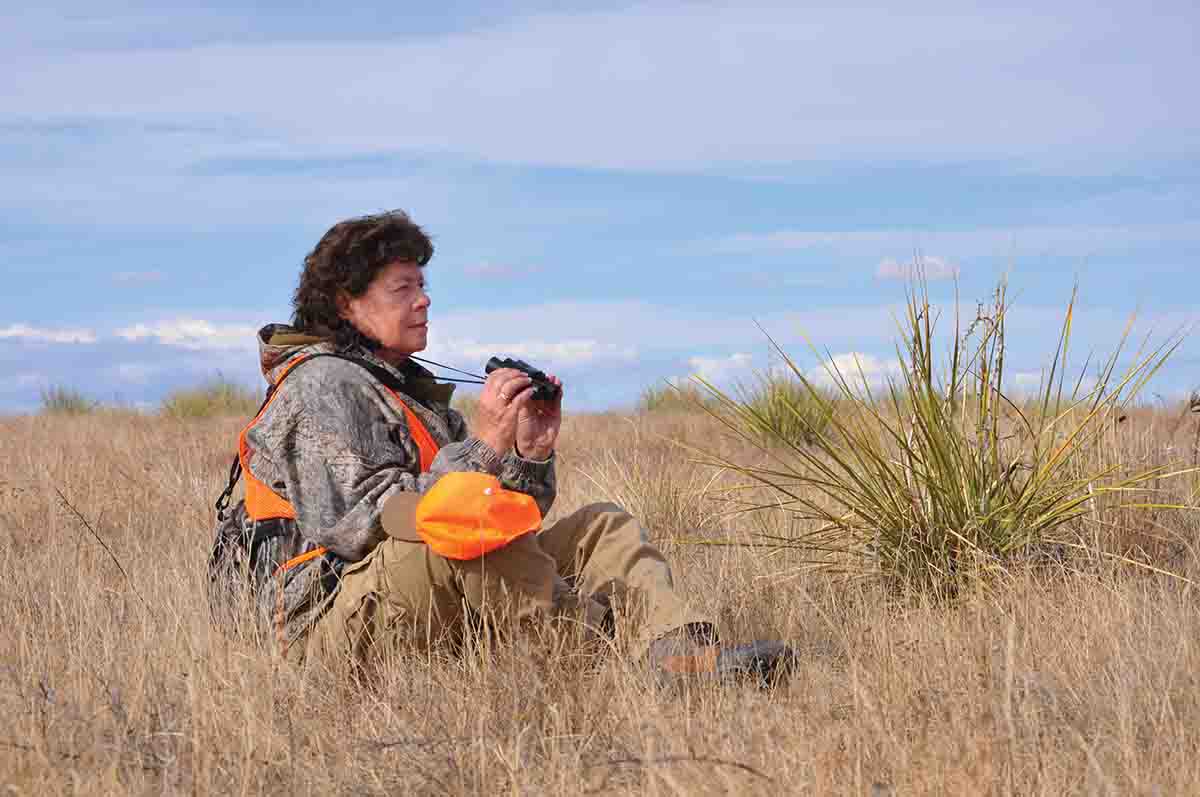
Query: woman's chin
[
  {"x": 411, "y": 340},
  {"x": 401, "y": 349}
]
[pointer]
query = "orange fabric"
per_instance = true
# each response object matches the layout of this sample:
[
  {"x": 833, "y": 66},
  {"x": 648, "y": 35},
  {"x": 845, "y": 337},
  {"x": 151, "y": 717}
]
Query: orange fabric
[
  {"x": 426, "y": 445},
  {"x": 295, "y": 561},
  {"x": 263, "y": 503},
  {"x": 465, "y": 515}
]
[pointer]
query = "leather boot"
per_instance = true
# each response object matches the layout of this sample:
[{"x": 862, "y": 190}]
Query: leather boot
[{"x": 696, "y": 651}]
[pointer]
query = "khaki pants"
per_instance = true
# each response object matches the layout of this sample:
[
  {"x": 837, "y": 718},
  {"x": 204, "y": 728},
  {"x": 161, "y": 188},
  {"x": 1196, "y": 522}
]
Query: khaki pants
[{"x": 404, "y": 594}]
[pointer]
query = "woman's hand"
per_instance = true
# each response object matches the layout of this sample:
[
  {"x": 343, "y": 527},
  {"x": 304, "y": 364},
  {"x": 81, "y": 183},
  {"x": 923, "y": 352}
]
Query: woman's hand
[
  {"x": 538, "y": 423},
  {"x": 504, "y": 396}
]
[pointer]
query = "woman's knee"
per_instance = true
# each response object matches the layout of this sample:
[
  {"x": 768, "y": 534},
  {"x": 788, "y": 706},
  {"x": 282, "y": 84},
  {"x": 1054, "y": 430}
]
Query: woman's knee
[
  {"x": 605, "y": 519},
  {"x": 520, "y": 569},
  {"x": 608, "y": 511}
]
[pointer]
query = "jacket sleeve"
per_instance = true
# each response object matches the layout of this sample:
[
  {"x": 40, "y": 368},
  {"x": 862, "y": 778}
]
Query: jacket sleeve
[
  {"x": 533, "y": 477},
  {"x": 339, "y": 448}
]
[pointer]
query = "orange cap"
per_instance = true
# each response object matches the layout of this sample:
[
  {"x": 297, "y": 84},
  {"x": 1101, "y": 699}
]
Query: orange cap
[{"x": 466, "y": 515}]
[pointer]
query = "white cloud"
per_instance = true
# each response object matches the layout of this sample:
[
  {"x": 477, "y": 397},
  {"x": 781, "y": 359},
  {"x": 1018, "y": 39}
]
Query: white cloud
[
  {"x": 192, "y": 333},
  {"x": 592, "y": 332},
  {"x": 24, "y": 332},
  {"x": 539, "y": 353},
  {"x": 854, "y": 368},
  {"x": 720, "y": 369},
  {"x": 645, "y": 326},
  {"x": 1026, "y": 381},
  {"x": 930, "y": 267},
  {"x": 1031, "y": 383},
  {"x": 619, "y": 345},
  {"x": 1051, "y": 239},
  {"x": 562, "y": 89}
]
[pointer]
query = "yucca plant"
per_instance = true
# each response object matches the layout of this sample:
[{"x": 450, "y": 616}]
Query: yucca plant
[
  {"x": 780, "y": 409},
  {"x": 936, "y": 474}
]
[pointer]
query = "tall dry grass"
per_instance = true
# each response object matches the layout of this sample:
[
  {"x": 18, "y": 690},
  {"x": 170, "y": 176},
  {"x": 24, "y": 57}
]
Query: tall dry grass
[{"x": 1065, "y": 681}]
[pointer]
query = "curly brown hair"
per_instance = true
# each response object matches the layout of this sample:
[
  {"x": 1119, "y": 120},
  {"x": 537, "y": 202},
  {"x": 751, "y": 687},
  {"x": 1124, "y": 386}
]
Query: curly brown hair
[{"x": 346, "y": 259}]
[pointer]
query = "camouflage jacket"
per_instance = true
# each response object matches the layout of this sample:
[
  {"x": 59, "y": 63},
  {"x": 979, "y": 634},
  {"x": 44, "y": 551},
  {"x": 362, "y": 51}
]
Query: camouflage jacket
[{"x": 335, "y": 444}]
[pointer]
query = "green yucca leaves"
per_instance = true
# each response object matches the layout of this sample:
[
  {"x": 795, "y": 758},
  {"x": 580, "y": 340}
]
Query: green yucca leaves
[
  {"x": 936, "y": 472},
  {"x": 782, "y": 409}
]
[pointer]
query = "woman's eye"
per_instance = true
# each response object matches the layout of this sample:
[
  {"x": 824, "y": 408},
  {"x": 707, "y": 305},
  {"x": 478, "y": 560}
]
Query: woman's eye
[{"x": 407, "y": 287}]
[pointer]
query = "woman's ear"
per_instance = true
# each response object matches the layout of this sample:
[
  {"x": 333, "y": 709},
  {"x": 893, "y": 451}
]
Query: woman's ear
[{"x": 343, "y": 305}]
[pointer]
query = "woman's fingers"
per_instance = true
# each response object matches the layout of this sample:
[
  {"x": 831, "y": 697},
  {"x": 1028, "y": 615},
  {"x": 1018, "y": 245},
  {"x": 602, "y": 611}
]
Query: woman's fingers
[
  {"x": 511, "y": 388},
  {"x": 520, "y": 400},
  {"x": 505, "y": 383},
  {"x": 500, "y": 389},
  {"x": 504, "y": 395},
  {"x": 499, "y": 405}
]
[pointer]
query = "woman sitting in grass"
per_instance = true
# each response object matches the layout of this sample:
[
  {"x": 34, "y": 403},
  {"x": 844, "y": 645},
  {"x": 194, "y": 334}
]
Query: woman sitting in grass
[{"x": 373, "y": 517}]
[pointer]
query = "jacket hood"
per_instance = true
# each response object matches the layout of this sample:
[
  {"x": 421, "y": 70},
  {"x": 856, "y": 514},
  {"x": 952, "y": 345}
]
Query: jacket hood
[{"x": 279, "y": 344}]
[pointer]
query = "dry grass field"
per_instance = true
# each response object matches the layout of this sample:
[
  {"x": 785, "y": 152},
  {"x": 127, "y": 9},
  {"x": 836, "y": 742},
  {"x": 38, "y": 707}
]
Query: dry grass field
[{"x": 1080, "y": 676}]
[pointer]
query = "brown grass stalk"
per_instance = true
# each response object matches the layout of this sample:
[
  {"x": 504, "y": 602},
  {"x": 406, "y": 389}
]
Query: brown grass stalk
[{"x": 1062, "y": 682}]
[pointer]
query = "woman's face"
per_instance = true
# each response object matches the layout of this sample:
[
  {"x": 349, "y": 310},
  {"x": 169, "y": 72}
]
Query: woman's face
[{"x": 393, "y": 310}]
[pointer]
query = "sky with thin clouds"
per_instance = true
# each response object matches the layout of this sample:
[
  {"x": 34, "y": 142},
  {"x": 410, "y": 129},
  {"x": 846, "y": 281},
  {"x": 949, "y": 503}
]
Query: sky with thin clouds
[{"x": 624, "y": 193}]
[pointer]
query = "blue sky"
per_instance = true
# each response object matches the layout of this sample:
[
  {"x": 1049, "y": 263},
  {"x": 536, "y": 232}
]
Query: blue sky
[{"x": 618, "y": 192}]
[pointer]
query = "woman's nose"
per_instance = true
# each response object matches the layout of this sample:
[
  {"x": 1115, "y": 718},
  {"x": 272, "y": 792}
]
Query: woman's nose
[{"x": 423, "y": 301}]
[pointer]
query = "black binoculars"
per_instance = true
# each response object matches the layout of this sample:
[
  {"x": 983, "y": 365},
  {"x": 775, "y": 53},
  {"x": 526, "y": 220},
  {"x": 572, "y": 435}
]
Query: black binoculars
[{"x": 544, "y": 389}]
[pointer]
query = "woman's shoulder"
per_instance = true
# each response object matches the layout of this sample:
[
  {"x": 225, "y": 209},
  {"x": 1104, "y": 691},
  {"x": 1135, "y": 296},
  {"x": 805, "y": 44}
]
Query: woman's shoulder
[
  {"x": 327, "y": 365},
  {"x": 329, "y": 385},
  {"x": 327, "y": 369}
]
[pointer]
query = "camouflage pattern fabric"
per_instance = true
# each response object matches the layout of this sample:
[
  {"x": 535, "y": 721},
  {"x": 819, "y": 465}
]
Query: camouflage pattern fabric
[{"x": 335, "y": 444}]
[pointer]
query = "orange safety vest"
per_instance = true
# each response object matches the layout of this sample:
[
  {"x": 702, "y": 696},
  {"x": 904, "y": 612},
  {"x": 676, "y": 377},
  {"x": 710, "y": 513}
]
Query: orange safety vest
[
  {"x": 464, "y": 516},
  {"x": 263, "y": 503}
]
